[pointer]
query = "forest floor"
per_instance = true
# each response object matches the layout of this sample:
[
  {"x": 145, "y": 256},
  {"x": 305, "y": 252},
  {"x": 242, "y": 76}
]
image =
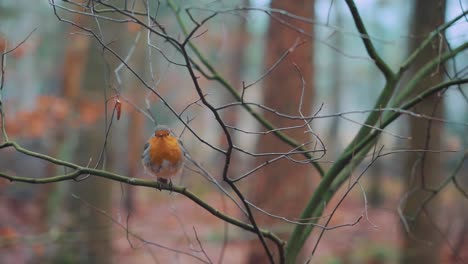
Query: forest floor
[{"x": 173, "y": 229}]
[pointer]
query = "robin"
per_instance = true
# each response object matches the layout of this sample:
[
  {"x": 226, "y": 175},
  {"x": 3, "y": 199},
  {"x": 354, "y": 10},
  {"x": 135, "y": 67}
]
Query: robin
[{"x": 163, "y": 156}]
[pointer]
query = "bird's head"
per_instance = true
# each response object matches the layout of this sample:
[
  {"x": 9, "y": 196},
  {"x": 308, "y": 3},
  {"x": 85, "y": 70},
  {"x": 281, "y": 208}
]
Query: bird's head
[{"x": 162, "y": 131}]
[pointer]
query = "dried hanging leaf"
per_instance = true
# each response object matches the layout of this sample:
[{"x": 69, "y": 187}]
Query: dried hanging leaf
[{"x": 118, "y": 107}]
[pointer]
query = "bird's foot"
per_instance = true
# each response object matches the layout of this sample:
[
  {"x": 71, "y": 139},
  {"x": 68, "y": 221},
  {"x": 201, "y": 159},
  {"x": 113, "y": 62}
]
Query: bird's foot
[
  {"x": 170, "y": 185},
  {"x": 161, "y": 180},
  {"x": 165, "y": 181}
]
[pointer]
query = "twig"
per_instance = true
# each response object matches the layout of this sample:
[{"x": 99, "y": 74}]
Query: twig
[{"x": 201, "y": 245}]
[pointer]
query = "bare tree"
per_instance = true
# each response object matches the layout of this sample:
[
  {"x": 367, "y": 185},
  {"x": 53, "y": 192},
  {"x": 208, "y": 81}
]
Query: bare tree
[
  {"x": 289, "y": 89},
  {"x": 283, "y": 116}
]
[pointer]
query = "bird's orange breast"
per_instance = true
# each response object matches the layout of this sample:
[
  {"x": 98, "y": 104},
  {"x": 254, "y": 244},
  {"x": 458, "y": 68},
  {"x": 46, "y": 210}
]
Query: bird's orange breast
[{"x": 165, "y": 148}]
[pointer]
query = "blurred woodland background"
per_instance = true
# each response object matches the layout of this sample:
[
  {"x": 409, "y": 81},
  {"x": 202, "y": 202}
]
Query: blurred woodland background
[{"x": 85, "y": 81}]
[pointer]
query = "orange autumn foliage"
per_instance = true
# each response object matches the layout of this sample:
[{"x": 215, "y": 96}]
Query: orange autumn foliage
[
  {"x": 133, "y": 27},
  {"x": 8, "y": 235},
  {"x": 89, "y": 113},
  {"x": 50, "y": 113}
]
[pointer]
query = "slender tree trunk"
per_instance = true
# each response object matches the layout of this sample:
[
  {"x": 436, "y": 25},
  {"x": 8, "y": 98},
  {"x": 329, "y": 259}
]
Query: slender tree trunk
[
  {"x": 282, "y": 187},
  {"x": 137, "y": 120},
  {"x": 73, "y": 71},
  {"x": 333, "y": 144},
  {"x": 422, "y": 244},
  {"x": 90, "y": 228},
  {"x": 95, "y": 227}
]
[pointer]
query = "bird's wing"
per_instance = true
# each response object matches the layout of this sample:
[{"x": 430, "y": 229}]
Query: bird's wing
[
  {"x": 182, "y": 147},
  {"x": 145, "y": 148}
]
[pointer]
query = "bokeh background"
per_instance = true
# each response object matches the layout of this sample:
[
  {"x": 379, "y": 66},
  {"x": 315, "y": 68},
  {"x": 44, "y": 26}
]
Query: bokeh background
[{"x": 59, "y": 96}]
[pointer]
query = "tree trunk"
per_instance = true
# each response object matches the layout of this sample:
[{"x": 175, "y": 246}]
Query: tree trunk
[
  {"x": 95, "y": 227},
  {"x": 283, "y": 187},
  {"x": 92, "y": 229},
  {"x": 423, "y": 170}
]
